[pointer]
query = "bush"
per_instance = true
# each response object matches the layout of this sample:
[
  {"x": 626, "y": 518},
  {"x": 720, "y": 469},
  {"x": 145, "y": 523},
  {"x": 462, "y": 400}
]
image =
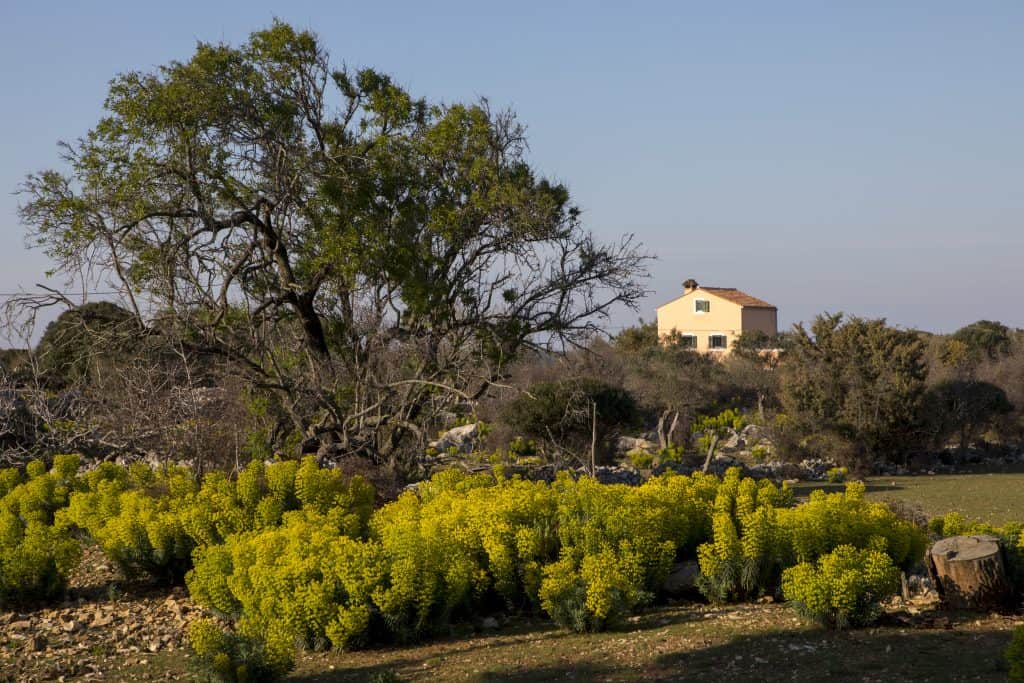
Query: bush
[
  {"x": 590, "y": 594},
  {"x": 134, "y": 516},
  {"x": 1014, "y": 655},
  {"x": 35, "y": 557},
  {"x": 301, "y": 583},
  {"x": 149, "y": 521},
  {"x": 747, "y": 548},
  {"x": 829, "y": 520},
  {"x": 837, "y": 475},
  {"x": 843, "y": 588},
  {"x": 226, "y": 656},
  {"x": 560, "y": 413},
  {"x": 640, "y": 459}
]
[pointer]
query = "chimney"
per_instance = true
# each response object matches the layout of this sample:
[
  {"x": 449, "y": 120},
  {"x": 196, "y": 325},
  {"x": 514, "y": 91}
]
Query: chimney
[{"x": 689, "y": 286}]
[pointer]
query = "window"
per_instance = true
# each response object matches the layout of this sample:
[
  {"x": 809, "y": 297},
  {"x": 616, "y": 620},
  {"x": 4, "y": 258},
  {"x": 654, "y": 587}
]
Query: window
[
  {"x": 688, "y": 341},
  {"x": 717, "y": 341},
  {"x": 702, "y": 306}
]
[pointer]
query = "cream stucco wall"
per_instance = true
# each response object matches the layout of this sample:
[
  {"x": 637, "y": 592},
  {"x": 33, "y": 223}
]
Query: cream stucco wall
[{"x": 725, "y": 318}]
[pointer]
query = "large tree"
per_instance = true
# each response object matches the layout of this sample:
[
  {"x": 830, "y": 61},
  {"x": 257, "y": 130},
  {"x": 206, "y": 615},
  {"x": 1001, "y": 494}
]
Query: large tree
[
  {"x": 368, "y": 257},
  {"x": 857, "y": 379}
]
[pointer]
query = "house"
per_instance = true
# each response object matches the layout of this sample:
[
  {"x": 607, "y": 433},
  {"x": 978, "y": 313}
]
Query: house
[{"x": 709, "y": 319}]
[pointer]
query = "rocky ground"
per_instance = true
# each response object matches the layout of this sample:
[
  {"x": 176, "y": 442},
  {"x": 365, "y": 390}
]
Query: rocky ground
[{"x": 104, "y": 627}]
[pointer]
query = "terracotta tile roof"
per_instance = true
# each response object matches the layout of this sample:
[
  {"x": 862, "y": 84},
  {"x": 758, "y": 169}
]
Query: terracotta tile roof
[{"x": 736, "y": 296}]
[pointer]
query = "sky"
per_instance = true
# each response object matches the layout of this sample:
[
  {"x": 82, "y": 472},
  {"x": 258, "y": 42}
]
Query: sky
[{"x": 861, "y": 157}]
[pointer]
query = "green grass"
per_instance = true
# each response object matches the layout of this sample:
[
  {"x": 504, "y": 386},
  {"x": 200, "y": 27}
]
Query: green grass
[{"x": 993, "y": 497}]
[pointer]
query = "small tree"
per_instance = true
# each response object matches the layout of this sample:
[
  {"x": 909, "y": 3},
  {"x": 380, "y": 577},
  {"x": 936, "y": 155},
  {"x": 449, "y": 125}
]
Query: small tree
[
  {"x": 713, "y": 429},
  {"x": 571, "y": 415}
]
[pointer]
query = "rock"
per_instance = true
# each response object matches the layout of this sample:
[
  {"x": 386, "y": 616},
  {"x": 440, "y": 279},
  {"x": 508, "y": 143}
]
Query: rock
[
  {"x": 682, "y": 580},
  {"x": 489, "y": 623},
  {"x": 20, "y": 625},
  {"x": 625, "y": 444},
  {"x": 732, "y": 443},
  {"x": 36, "y": 643},
  {"x": 620, "y": 474},
  {"x": 101, "y": 619},
  {"x": 463, "y": 439}
]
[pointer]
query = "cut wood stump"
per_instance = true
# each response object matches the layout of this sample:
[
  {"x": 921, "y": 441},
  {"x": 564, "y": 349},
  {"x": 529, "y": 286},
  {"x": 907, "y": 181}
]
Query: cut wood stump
[{"x": 969, "y": 572}]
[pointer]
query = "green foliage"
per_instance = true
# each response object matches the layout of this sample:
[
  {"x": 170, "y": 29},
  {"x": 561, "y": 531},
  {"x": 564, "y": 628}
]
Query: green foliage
[
  {"x": 591, "y": 594},
  {"x": 962, "y": 407},
  {"x": 640, "y": 459},
  {"x": 984, "y": 339},
  {"x": 747, "y": 547},
  {"x": 429, "y": 210},
  {"x": 672, "y": 454},
  {"x": 854, "y": 380},
  {"x": 70, "y": 346},
  {"x": 837, "y": 475},
  {"x": 1014, "y": 655},
  {"x": 756, "y": 534},
  {"x": 563, "y": 411},
  {"x": 228, "y": 657},
  {"x": 134, "y": 516},
  {"x": 149, "y": 521},
  {"x": 829, "y": 520},
  {"x": 35, "y": 557},
  {"x": 843, "y": 588}
]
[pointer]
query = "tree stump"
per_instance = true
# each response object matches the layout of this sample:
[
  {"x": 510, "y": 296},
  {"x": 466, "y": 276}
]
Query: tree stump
[{"x": 969, "y": 572}]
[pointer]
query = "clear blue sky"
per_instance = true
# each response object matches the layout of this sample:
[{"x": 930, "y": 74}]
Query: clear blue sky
[{"x": 865, "y": 157}]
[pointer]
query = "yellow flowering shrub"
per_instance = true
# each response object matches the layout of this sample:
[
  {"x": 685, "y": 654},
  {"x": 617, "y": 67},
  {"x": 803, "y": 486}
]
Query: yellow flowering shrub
[
  {"x": 150, "y": 520},
  {"x": 829, "y": 520},
  {"x": 747, "y": 547},
  {"x": 35, "y": 557},
  {"x": 302, "y": 582},
  {"x": 843, "y": 588},
  {"x": 228, "y": 657},
  {"x": 593, "y": 593},
  {"x": 134, "y": 515}
]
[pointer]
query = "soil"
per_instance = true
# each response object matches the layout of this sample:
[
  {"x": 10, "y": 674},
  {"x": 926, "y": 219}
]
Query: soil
[{"x": 106, "y": 625}]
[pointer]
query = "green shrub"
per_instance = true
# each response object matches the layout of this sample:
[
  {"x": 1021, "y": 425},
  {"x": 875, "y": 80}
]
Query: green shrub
[
  {"x": 843, "y": 588},
  {"x": 134, "y": 515},
  {"x": 640, "y": 459},
  {"x": 1014, "y": 655},
  {"x": 35, "y": 556},
  {"x": 301, "y": 583},
  {"x": 747, "y": 547},
  {"x": 837, "y": 475},
  {"x": 592, "y": 593},
  {"x": 829, "y": 520},
  {"x": 149, "y": 521},
  {"x": 226, "y": 656},
  {"x": 671, "y": 455}
]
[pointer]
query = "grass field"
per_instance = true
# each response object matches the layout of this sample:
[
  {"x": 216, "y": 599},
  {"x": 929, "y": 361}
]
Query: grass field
[{"x": 992, "y": 497}]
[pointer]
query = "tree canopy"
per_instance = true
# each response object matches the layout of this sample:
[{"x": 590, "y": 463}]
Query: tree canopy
[
  {"x": 367, "y": 256},
  {"x": 857, "y": 379}
]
